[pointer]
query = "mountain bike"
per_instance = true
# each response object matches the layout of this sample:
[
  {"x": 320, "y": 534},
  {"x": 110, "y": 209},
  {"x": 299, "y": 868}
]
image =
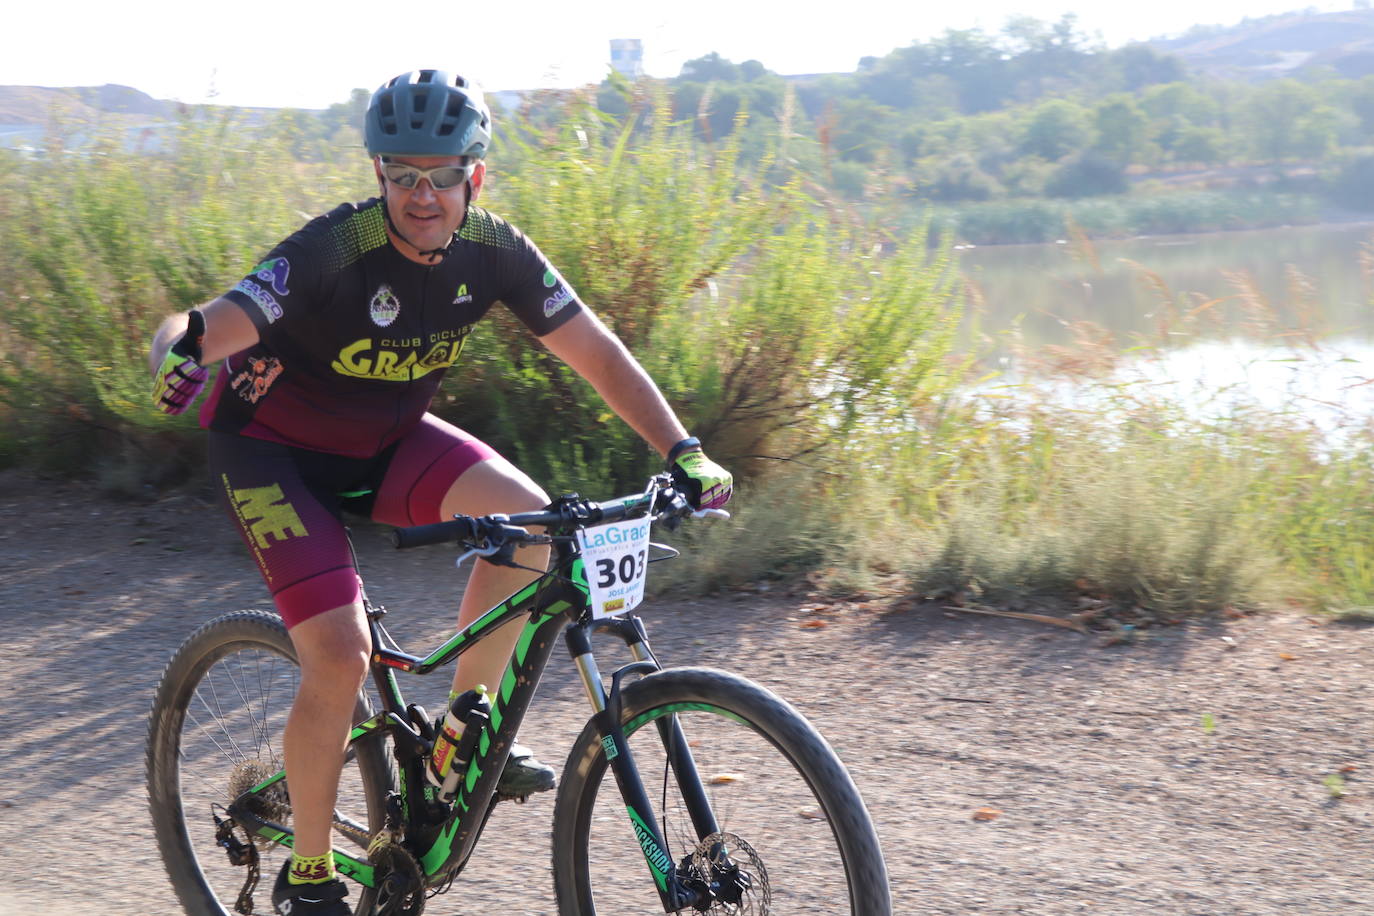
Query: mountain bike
[{"x": 728, "y": 798}]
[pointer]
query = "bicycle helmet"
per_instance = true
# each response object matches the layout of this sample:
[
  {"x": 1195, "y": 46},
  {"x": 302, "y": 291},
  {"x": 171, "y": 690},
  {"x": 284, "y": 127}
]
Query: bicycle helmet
[{"x": 428, "y": 113}]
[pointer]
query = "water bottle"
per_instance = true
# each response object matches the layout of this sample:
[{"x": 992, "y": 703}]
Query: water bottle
[{"x": 468, "y": 712}]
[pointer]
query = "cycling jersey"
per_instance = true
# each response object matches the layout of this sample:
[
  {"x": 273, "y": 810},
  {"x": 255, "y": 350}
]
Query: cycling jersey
[{"x": 354, "y": 337}]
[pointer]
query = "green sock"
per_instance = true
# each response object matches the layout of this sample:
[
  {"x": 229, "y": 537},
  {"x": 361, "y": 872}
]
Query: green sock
[{"x": 310, "y": 869}]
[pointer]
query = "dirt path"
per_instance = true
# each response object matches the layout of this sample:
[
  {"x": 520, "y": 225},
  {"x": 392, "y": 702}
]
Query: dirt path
[{"x": 1114, "y": 794}]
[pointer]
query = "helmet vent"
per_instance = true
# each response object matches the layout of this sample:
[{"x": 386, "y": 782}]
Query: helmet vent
[
  {"x": 386, "y": 106},
  {"x": 453, "y": 115}
]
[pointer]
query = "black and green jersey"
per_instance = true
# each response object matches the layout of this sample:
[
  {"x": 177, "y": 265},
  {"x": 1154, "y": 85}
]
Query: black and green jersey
[{"x": 355, "y": 337}]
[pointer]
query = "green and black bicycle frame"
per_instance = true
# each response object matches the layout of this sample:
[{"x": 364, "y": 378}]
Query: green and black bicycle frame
[{"x": 441, "y": 837}]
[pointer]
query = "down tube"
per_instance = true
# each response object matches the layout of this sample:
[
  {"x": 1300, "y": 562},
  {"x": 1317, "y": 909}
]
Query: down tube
[{"x": 512, "y": 700}]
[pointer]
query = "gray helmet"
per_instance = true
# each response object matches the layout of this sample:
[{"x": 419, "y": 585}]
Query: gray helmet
[{"x": 428, "y": 113}]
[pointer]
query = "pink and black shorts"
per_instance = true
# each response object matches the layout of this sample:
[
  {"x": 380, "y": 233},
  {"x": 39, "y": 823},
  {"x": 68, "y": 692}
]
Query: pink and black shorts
[{"x": 287, "y": 504}]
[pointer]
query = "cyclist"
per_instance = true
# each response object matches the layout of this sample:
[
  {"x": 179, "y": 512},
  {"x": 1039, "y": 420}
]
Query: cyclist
[{"x": 332, "y": 349}]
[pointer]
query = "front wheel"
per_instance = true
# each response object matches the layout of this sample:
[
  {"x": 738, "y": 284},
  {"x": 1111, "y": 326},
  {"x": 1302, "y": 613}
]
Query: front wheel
[
  {"x": 215, "y": 732},
  {"x": 791, "y": 827}
]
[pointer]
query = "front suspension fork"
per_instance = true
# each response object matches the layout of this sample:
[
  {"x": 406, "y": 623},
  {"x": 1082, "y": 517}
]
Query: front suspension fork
[{"x": 676, "y": 895}]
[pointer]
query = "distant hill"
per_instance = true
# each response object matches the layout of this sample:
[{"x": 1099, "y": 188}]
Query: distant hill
[
  {"x": 32, "y": 104},
  {"x": 1276, "y": 46},
  {"x": 1289, "y": 44}
]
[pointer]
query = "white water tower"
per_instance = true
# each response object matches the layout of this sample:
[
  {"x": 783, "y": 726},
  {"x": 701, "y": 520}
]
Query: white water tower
[{"x": 627, "y": 57}]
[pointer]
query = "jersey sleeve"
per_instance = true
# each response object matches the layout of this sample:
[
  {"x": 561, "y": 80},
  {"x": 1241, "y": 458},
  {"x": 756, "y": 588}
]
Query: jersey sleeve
[
  {"x": 279, "y": 292},
  {"x": 536, "y": 292}
]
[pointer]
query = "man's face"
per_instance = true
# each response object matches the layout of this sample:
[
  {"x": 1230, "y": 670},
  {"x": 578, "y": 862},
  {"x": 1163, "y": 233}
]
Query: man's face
[{"x": 425, "y": 216}]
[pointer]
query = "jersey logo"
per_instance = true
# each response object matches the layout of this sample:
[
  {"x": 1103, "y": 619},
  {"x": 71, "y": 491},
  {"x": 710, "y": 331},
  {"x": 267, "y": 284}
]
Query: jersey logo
[
  {"x": 463, "y": 295},
  {"x": 270, "y": 308},
  {"x": 274, "y": 272},
  {"x": 562, "y": 294},
  {"x": 554, "y": 304},
  {"x": 384, "y": 306},
  {"x": 266, "y": 514},
  {"x": 252, "y": 383},
  {"x": 400, "y": 359}
]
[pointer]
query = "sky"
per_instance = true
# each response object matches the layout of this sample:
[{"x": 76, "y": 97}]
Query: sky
[{"x": 311, "y": 55}]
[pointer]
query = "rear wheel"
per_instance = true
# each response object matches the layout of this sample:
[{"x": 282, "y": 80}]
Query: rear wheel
[
  {"x": 793, "y": 833},
  {"x": 214, "y": 732}
]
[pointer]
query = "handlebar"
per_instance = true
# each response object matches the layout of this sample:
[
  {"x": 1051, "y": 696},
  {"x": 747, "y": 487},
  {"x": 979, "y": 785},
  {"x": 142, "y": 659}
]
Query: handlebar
[{"x": 567, "y": 514}]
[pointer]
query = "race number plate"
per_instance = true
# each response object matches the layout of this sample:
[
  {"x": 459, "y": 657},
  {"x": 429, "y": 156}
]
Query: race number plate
[{"x": 615, "y": 557}]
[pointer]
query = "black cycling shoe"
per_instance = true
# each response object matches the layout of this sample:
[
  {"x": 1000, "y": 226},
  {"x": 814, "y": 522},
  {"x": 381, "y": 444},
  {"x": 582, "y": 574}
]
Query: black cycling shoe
[
  {"x": 309, "y": 899},
  {"x": 524, "y": 775}
]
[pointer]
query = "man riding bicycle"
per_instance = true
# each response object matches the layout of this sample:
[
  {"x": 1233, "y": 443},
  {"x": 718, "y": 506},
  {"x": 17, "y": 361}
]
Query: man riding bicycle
[{"x": 333, "y": 348}]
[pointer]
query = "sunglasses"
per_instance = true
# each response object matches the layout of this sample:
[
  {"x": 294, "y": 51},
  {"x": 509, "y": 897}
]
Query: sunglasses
[{"x": 440, "y": 179}]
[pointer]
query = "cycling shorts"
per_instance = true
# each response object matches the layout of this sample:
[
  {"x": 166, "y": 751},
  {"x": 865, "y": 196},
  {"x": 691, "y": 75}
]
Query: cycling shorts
[{"x": 287, "y": 504}]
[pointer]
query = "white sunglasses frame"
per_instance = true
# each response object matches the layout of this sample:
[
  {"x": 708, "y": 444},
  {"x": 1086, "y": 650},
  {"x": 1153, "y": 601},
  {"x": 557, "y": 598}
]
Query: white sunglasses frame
[{"x": 425, "y": 174}]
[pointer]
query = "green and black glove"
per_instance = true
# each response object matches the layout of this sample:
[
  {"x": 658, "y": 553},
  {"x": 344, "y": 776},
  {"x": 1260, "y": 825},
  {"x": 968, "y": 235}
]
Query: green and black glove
[{"x": 706, "y": 484}]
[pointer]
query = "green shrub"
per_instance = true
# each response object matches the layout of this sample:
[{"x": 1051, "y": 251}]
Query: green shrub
[
  {"x": 769, "y": 327},
  {"x": 102, "y": 243},
  {"x": 1087, "y": 175}
]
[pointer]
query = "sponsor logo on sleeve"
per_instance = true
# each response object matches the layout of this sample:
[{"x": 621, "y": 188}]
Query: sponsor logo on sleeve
[
  {"x": 271, "y": 309},
  {"x": 554, "y": 304},
  {"x": 384, "y": 306},
  {"x": 274, "y": 272},
  {"x": 562, "y": 292}
]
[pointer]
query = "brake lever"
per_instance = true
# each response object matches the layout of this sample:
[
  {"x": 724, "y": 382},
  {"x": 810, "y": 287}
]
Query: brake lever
[{"x": 489, "y": 550}]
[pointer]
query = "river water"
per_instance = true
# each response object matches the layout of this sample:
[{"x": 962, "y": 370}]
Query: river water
[{"x": 1283, "y": 318}]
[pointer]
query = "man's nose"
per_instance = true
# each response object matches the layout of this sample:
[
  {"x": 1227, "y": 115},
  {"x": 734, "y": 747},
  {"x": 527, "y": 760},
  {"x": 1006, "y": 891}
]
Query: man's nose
[{"x": 424, "y": 190}]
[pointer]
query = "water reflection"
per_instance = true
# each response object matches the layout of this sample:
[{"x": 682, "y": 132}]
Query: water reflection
[
  {"x": 1317, "y": 277},
  {"x": 1330, "y": 388},
  {"x": 1280, "y": 319}
]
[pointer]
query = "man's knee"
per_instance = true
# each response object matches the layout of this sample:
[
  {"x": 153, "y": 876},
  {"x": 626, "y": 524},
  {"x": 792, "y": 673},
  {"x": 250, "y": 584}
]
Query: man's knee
[
  {"x": 333, "y": 647},
  {"x": 491, "y": 487}
]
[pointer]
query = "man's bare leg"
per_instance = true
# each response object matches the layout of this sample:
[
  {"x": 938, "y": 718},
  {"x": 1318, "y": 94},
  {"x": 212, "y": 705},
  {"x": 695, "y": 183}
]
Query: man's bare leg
[
  {"x": 333, "y": 651},
  {"x": 489, "y": 487}
]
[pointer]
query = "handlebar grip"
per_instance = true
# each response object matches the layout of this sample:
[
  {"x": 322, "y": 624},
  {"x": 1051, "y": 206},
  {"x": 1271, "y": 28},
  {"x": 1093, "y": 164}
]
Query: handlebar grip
[{"x": 438, "y": 533}]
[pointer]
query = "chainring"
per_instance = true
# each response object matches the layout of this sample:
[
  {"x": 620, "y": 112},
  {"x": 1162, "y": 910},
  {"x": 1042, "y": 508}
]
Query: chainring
[
  {"x": 735, "y": 874},
  {"x": 400, "y": 882}
]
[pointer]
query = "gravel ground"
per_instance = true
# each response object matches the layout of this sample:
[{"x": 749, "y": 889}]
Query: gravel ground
[{"x": 1217, "y": 768}]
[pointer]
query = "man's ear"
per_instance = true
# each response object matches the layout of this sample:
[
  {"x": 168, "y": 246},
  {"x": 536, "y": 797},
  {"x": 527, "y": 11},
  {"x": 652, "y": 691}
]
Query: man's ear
[
  {"x": 478, "y": 175},
  {"x": 381, "y": 179}
]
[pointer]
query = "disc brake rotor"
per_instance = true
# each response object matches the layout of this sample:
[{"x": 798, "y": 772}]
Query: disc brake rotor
[{"x": 735, "y": 874}]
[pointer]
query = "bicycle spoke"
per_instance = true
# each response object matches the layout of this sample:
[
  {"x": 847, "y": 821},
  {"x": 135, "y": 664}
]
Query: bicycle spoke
[{"x": 233, "y": 690}]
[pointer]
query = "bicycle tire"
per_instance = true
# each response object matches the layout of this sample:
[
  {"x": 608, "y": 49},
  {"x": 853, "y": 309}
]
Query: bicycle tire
[
  {"x": 208, "y": 678},
  {"x": 597, "y": 863}
]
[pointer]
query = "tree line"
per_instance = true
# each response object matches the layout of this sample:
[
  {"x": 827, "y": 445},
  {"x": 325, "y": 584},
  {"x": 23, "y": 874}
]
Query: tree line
[{"x": 1039, "y": 109}]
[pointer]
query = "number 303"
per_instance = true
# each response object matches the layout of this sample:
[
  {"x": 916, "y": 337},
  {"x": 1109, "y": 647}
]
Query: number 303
[{"x": 609, "y": 572}]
